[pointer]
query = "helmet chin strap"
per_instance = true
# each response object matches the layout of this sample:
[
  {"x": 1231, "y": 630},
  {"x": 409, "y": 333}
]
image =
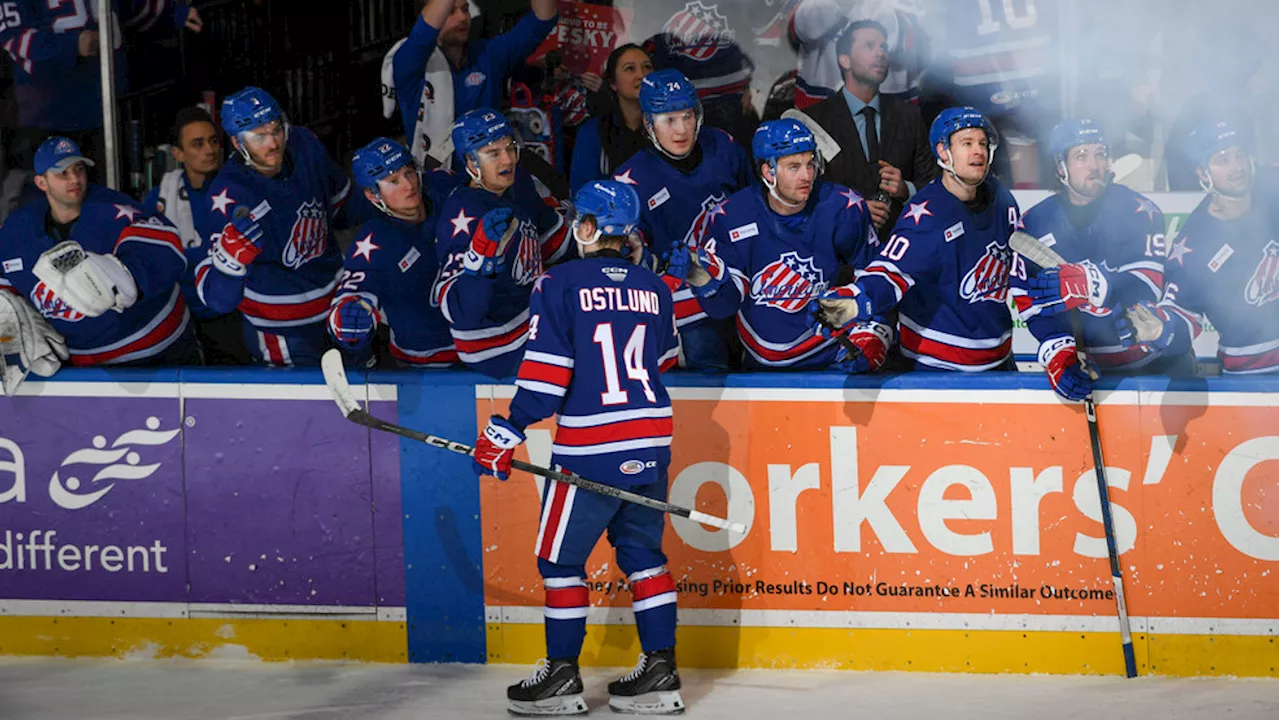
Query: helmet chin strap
[
  {"x": 1209, "y": 187},
  {"x": 948, "y": 166},
  {"x": 773, "y": 187},
  {"x": 595, "y": 237},
  {"x": 476, "y": 176}
]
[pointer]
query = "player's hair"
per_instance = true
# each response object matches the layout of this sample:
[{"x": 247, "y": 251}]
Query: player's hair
[
  {"x": 186, "y": 116},
  {"x": 844, "y": 43}
]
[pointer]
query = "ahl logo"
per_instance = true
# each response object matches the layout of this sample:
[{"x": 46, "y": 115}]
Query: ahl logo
[
  {"x": 118, "y": 462},
  {"x": 307, "y": 239},
  {"x": 988, "y": 279},
  {"x": 635, "y": 467},
  {"x": 699, "y": 31},
  {"x": 788, "y": 283},
  {"x": 52, "y": 306},
  {"x": 1264, "y": 286},
  {"x": 528, "y": 264}
]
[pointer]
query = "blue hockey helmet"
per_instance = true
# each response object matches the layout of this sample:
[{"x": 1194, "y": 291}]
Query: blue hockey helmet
[
  {"x": 1210, "y": 139},
  {"x": 665, "y": 91},
  {"x": 247, "y": 109},
  {"x": 477, "y": 128},
  {"x": 1075, "y": 131},
  {"x": 779, "y": 138},
  {"x": 377, "y": 160},
  {"x": 614, "y": 205},
  {"x": 953, "y": 120}
]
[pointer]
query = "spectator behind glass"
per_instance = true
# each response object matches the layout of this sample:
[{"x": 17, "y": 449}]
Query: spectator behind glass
[
  {"x": 180, "y": 195},
  {"x": 607, "y": 141},
  {"x": 437, "y": 51}
]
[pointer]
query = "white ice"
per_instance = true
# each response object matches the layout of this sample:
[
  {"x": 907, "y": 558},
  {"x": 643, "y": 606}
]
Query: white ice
[{"x": 48, "y": 689}]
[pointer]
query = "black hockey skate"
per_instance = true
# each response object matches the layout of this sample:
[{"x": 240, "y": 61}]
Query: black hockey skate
[
  {"x": 554, "y": 688},
  {"x": 653, "y": 688}
]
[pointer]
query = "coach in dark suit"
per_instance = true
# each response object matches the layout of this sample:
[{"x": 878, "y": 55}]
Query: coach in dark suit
[{"x": 884, "y": 144}]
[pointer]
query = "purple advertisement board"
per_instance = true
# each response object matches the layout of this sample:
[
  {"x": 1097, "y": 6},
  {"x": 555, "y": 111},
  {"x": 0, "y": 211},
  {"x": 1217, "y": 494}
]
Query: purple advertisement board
[{"x": 279, "y": 502}]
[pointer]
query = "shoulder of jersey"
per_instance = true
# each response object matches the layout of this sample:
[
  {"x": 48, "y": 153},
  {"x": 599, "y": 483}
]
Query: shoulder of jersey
[
  {"x": 1040, "y": 217},
  {"x": 933, "y": 208},
  {"x": 716, "y": 137},
  {"x": 635, "y": 171},
  {"x": 104, "y": 205},
  {"x": 1132, "y": 207},
  {"x": 839, "y": 197}
]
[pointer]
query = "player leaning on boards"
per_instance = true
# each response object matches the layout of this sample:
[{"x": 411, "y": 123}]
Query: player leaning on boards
[
  {"x": 681, "y": 182},
  {"x": 601, "y": 331},
  {"x": 774, "y": 247},
  {"x": 947, "y": 263},
  {"x": 389, "y": 269},
  {"x": 495, "y": 235},
  {"x": 1112, "y": 240},
  {"x": 105, "y": 275},
  {"x": 1223, "y": 267},
  {"x": 270, "y": 220}
]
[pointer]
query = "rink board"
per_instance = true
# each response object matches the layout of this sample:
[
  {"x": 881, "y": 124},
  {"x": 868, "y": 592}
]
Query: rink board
[{"x": 236, "y": 514}]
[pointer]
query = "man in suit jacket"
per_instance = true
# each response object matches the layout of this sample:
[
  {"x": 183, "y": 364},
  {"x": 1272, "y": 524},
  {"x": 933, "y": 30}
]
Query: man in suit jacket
[{"x": 884, "y": 145}]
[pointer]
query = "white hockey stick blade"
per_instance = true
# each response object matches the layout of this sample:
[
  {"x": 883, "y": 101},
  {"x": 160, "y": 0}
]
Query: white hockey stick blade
[
  {"x": 1124, "y": 166},
  {"x": 826, "y": 144},
  {"x": 1034, "y": 250},
  {"x": 336, "y": 378},
  {"x": 713, "y": 521}
]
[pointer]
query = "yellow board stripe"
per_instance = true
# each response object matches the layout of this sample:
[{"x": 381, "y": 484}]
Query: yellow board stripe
[
  {"x": 261, "y": 639},
  {"x": 975, "y": 651}
]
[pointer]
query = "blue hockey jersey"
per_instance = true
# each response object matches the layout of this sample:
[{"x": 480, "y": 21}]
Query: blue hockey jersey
[
  {"x": 489, "y": 317},
  {"x": 287, "y": 290},
  {"x": 1226, "y": 271},
  {"x": 600, "y": 332},
  {"x": 675, "y": 207},
  {"x": 393, "y": 264},
  {"x": 779, "y": 263},
  {"x": 109, "y": 222},
  {"x": 946, "y": 268},
  {"x": 56, "y": 88},
  {"x": 1121, "y": 232},
  {"x": 1000, "y": 54}
]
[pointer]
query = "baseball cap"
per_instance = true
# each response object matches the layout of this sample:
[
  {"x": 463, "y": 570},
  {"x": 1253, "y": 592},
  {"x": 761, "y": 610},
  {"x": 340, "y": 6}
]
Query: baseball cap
[{"x": 57, "y": 154}]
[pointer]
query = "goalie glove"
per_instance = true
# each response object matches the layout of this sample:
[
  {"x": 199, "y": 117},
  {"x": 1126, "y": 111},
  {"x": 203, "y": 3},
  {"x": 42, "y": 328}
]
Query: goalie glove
[
  {"x": 835, "y": 310},
  {"x": 1067, "y": 287},
  {"x": 872, "y": 341},
  {"x": 27, "y": 343},
  {"x": 87, "y": 282},
  {"x": 1069, "y": 378}
]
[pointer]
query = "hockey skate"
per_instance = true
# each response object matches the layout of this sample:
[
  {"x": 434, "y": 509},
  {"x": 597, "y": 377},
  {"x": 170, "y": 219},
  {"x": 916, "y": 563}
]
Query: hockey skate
[
  {"x": 653, "y": 688},
  {"x": 554, "y": 688}
]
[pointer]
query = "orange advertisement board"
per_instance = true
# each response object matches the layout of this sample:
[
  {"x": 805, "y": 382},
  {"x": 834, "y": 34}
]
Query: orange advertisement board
[{"x": 944, "y": 509}]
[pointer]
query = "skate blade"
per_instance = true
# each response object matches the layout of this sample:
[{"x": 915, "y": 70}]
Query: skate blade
[
  {"x": 654, "y": 703},
  {"x": 560, "y": 705}
]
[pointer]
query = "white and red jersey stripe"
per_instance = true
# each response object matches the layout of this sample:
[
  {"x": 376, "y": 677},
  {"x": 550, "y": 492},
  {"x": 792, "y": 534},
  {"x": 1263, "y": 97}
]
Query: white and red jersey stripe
[
  {"x": 19, "y": 48},
  {"x": 952, "y": 352},
  {"x": 147, "y": 233},
  {"x": 279, "y": 311},
  {"x": 687, "y": 308},
  {"x": 274, "y": 349},
  {"x": 1119, "y": 357},
  {"x": 476, "y": 346},
  {"x": 6, "y": 285},
  {"x": 899, "y": 282},
  {"x": 566, "y": 598},
  {"x": 440, "y": 357},
  {"x": 150, "y": 340},
  {"x": 556, "y": 509},
  {"x": 613, "y": 431},
  {"x": 1250, "y": 359},
  {"x": 545, "y": 373},
  {"x": 651, "y": 588},
  {"x": 806, "y": 345},
  {"x": 1001, "y": 62}
]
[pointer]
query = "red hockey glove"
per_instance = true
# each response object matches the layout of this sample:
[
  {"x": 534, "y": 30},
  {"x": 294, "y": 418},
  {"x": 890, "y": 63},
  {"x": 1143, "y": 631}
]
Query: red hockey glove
[
  {"x": 1061, "y": 362},
  {"x": 495, "y": 447}
]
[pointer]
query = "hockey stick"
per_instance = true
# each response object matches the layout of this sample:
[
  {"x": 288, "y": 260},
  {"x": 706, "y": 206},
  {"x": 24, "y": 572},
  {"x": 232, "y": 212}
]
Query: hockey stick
[
  {"x": 1046, "y": 257},
  {"x": 336, "y": 378},
  {"x": 827, "y": 145}
]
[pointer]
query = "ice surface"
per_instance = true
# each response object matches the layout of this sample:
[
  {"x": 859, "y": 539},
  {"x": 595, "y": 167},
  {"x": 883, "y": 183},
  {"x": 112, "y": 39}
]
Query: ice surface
[{"x": 45, "y": 689}]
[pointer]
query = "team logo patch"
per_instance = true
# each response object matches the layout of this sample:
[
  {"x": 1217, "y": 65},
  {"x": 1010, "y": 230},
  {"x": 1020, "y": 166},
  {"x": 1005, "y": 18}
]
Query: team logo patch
[
  {"x": 699, "y": 30},
  {"x": 307, "y": 240},
  {"x": 475, "y": 79},
  {"x": 528, "y": 262},
  {"x": 743, "y": 232},
  {"x": 711, "y": 207},
  {"x": 1262, "y": 288},
  {"x": 52, "y": 306},
  {"x": 631, "y": 467},
  {"x": 988, "y": 279},
  {"x": 788, "y": 283}
]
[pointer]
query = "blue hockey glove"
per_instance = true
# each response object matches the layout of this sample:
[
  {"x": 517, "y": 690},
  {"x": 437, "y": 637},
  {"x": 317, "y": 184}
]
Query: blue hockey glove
[
  {"x": 872, "y": 341},
  {"x": 487, "y": 254},
  {"x": 835, "y": 310},
  {"x": 706, "y": 273},
  {"x": 353, "y": 322}
]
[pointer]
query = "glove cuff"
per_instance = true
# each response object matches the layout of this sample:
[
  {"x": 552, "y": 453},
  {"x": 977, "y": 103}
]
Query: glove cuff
[{"x": 1050, "y": 348}]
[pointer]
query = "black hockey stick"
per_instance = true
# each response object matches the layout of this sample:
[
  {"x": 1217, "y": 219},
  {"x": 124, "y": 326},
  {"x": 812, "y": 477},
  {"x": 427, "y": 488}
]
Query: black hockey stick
[
  {"x": 1046, "y": 257},
  {"x": 336, "y": 378}
]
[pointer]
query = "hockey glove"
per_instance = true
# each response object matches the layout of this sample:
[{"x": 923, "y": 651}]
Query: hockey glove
[
  {"x": 237, "y": 246},
  {"x": 27, "y": 343},
  {"x": 872, "y": 341},
  {"x": 707, "y": 273},
  {"x": 486, "y": 256},
  {"x": 677, "y": 261},
  {"x": 1152, "y": 326},
  {"x": 1061, "y": 362},
  {"x": 352, "y": 322},
  {"x": 835, "y": 310},
  {"x": 1067, "y": 287},
  {"x": 87, "y": 282},
  {"x": 495, "y": 448}
]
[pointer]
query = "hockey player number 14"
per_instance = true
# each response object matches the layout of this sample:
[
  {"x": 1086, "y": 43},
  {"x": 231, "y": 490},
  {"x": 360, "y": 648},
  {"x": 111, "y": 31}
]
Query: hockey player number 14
[{"x": 632, "y": 359}]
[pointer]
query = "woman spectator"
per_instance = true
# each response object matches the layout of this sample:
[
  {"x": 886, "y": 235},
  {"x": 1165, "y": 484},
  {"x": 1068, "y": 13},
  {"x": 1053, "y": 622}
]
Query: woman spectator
[{"x": 607, "y": 141}]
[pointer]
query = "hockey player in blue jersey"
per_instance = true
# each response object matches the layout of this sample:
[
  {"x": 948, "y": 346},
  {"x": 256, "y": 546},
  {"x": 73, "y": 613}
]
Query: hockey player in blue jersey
[
  {"x": 681, "y": 181},
  {"x": 1223, "y": 266},
  {"x": 495, "y": 236},
  {"x": 103, "y": 274},
  {"x": 272, "y": 212},
  {"x": 947, "y": 264},
  {"x": 773, "y": 248},
  {"x": 601, "y": 331},
  {"x": 388, "y": 271},
  {"x": 1113, "y": 241}
]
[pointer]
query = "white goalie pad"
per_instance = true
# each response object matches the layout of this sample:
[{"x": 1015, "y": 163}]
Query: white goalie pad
[
  {"x": 27, "y": 343},
  {"x": 88, "y": 282}
]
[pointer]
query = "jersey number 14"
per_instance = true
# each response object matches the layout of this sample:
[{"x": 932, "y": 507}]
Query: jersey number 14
[{"x": 632, "y": 360}]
